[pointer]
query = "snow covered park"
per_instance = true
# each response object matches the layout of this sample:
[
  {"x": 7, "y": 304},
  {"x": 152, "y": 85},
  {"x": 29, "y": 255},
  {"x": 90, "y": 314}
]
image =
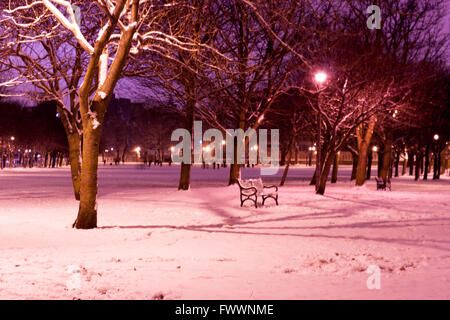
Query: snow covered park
[{"x": 154, "y": 242}]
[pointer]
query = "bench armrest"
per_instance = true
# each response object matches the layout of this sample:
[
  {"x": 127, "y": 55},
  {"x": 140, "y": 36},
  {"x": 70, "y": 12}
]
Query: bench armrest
[
  {"x": 270, "y": 187},
  {"x": 243, "y": 190}
]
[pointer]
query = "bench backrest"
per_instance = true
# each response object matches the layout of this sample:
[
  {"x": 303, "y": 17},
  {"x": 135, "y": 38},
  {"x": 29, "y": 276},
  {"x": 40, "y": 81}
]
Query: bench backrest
[{"x": 256, "y": 183}]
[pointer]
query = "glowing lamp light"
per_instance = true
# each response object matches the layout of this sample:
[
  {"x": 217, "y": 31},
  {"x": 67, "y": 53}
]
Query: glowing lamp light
[
  {"x": 375, "y": 149},
  {"x": 223, "y": 142},
  {"x": 112, "y": 149},
  {"x": 138, "y": 149},
  {"x": 172, "y": 149},
  {"x": 13, "y": 138},
  {"x": 320, "y": 77},
  {"x": 436, "y": 137},
  {"x": 207, "y": 149}
]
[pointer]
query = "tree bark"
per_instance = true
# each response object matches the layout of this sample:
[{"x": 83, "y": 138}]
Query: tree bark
[
  {"x": 386, "y": 160},
  {"x": 369, "y": 164},
  {"x": 74, "y": 142},
  {"x": 354, "y": 166},
  {"x": 185, "y": 175},
  {"x": 325, "y": 173},
  {"x": 235, "y": 168},
  {"x": 411, "y": 162},
  {"x": 87, "y": 213},
  {"x": 289, "y": 156},
  {"x": 75, "y": 162},
  {"x": 427, "y": 162},
  {"x": 418, "y": 164},
  {"x": 397, "y": 162},
  {"x": 362, "y": 165},
  {"x": 334, "y": 175},
  {"x": 363, "y": 145}
]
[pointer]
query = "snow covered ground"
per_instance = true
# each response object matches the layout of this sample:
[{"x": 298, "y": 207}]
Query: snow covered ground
[{"x": 154, "y": 242}]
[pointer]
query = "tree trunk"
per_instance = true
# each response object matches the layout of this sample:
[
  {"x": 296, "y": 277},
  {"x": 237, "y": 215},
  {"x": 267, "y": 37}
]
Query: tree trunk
[
  {"x": 411, "y": 163},
  {"x": 289, "y": 156},
  {"x": 363, "y": 146},
  {"x": 354, "y": 166},
  {"x": 369, "y": 164},
  {"x": 386, "y": 160},
  {"x": 397, "y": 162},
  {"x": 74, "y": 142},
  {"x": 235, "y": 168},
  {"x": 74, "y": 160},
  {"x": 427, "y": 162},
  {"x": 418, "y": 165},
  {"x": 325, "y": 173},
  {"x": 362, "y": 164},
  {"x": 185, "y": 175},
  {"x": 334, "y": 175},
  {"x": 87, "y": 213}
]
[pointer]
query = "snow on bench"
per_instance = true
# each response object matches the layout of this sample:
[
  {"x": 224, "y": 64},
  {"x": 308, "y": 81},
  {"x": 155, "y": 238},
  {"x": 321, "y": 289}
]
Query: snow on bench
[{"x": 251, "y": 189}]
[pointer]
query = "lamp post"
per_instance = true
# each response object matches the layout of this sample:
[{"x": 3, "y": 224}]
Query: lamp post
[
  {"x": 11, "y": 151},
  {"x": 320, "y": 78},
  {"x": 437, "y": 158}
]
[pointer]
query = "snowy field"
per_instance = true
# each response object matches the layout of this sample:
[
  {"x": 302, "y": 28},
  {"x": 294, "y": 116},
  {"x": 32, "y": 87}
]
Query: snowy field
[{"x": 154, "y": 242}]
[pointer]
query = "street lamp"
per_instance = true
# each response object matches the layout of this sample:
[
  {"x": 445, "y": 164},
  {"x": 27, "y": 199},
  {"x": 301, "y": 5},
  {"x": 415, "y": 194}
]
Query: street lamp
[
  {"x": 13, "y": 138},
  {"x": 320, "y": 77},
  {"x": 375, "y": 149},
  {"x": 437, "y": 158}
]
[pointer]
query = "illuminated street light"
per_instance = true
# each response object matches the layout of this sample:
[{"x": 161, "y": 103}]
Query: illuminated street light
[
  {"x": 375, "y": 149},
  {"x": 207, "y": 149},
  {"x": 138, "y": 149},
  {"x": 13, "y": 138},
  {"x": 223, "y": 142},
  {"x": 320, "y": 77},
  {"x": 172, "y": 149},
  {"x": 436, "y": 137}
]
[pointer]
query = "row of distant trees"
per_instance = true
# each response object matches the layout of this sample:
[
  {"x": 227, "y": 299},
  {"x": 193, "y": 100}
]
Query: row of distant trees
[
  {"x": 25, "y": 131},
  {"x": 230, "y": 63}
]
